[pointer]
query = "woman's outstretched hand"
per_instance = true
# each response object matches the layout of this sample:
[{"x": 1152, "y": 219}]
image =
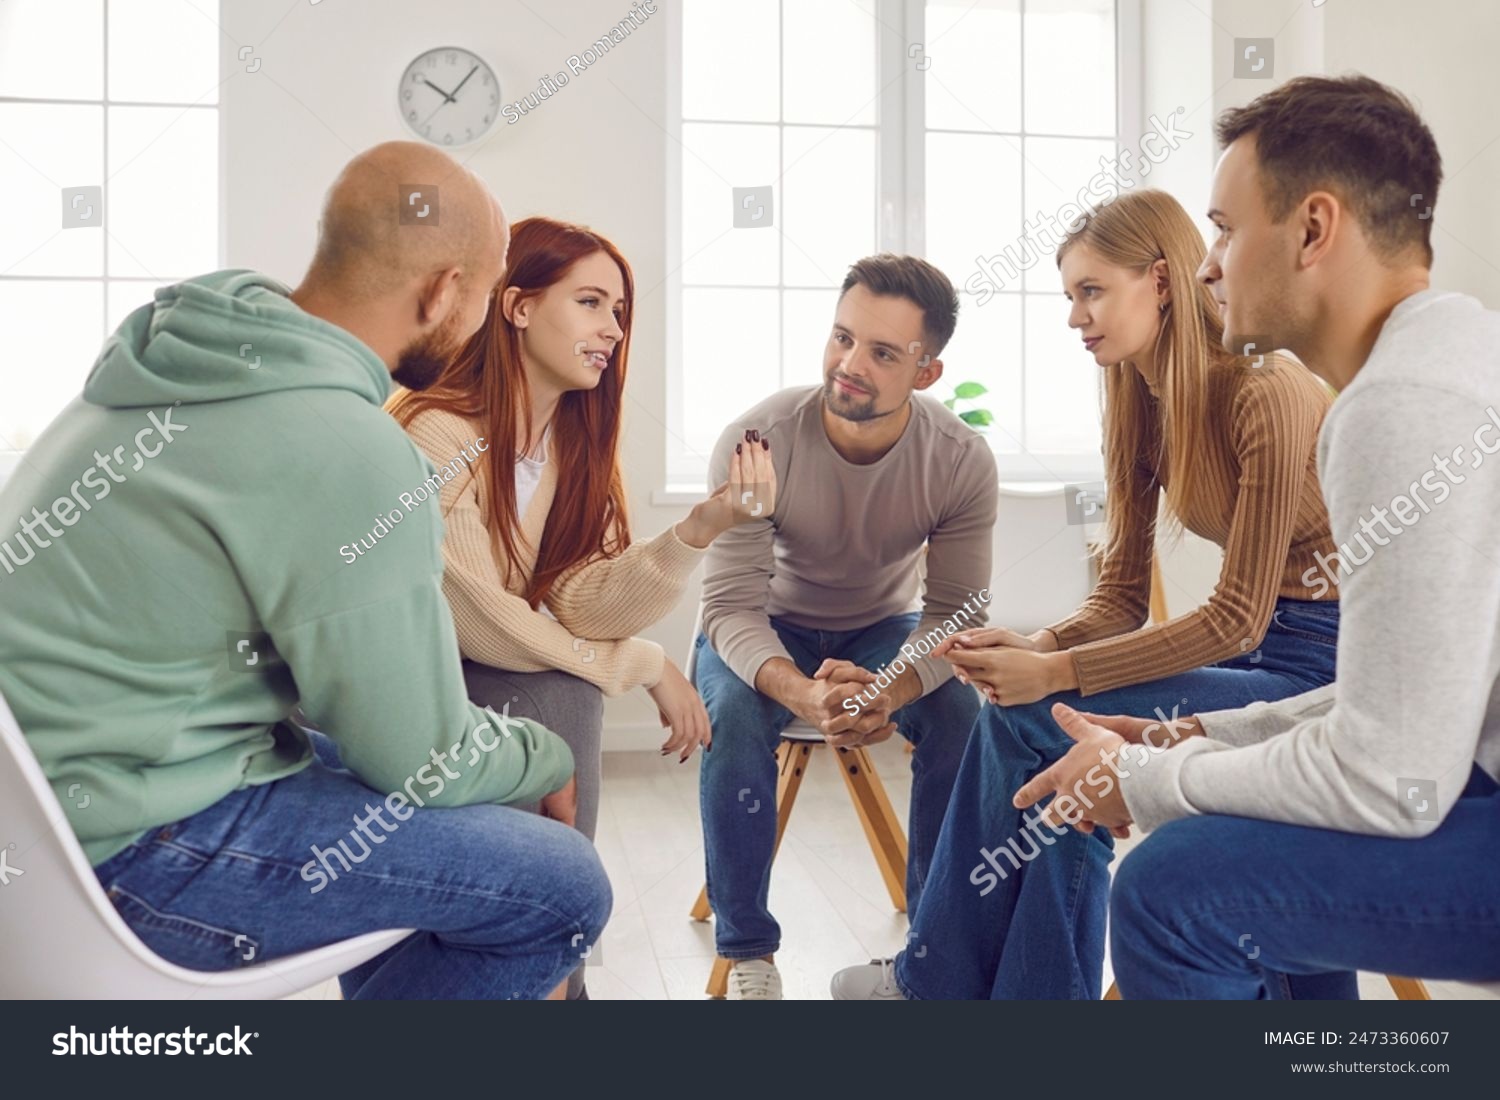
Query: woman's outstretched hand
[{"x": 748, "y": 495}]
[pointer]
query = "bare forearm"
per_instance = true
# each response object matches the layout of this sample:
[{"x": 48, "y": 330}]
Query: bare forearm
[
  {"x": 906, "y": 688},
  {"x": 779, "y": 679}
]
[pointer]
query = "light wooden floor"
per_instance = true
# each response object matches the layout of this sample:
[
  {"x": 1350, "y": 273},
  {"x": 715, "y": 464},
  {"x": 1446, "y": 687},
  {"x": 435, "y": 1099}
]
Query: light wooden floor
[{"x": 825, "y": 889}]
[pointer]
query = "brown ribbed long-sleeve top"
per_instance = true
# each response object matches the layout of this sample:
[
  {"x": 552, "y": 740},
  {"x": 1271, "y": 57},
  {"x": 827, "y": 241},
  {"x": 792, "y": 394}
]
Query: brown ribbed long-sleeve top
[{"x": 1258, "y": 498}]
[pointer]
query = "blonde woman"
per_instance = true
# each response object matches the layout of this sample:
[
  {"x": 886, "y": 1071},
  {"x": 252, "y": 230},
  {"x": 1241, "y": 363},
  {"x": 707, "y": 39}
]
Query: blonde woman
[{"x": 1012, "y": 908}]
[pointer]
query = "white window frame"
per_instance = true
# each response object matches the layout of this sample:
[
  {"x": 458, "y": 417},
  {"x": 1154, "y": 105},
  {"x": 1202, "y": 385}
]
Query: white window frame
[
  {"x": 9, "y": 458},
  {"x": 900, "y": 207}
]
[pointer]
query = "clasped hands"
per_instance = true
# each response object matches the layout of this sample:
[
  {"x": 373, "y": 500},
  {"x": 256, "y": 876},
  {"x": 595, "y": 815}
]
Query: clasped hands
[
  {"x": 1009, "y": 668},
  {"x": 822, "y": 705}
]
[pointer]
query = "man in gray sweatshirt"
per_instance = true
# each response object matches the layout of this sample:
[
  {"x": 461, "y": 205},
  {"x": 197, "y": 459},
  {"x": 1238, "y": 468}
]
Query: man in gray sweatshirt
[
  {"x": 1356, "y": 826},
  {"x": 812, "y": 612}
]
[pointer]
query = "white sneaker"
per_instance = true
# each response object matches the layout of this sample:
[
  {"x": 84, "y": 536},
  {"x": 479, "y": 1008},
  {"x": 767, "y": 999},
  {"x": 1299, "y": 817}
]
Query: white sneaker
[
  {"x": 874, "y": 981},
  {"x": 754, "y": 980}
]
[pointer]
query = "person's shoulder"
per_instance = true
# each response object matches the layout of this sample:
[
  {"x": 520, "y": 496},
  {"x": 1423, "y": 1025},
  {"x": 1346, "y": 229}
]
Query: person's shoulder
[
  {"x": 780, "y": 409},
  {"x": 950, "y": 445},
  {"x": 944, "y": 427},
  {"x": 1279, "y": 383},
  {"x": 776, "y": 418},
  {"x": 1441, "y": 340},
  {"x": 441, "y": 430}
]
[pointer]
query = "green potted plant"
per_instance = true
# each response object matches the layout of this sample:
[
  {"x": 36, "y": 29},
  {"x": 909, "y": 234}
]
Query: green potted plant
[{"x": 976, "y": 418}]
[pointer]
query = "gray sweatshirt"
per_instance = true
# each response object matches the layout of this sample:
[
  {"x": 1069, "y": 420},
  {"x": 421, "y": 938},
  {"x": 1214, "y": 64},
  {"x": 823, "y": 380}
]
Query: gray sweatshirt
[
  {"x": 1409, "y": 465},
  {"x": 844, "y": 544}
]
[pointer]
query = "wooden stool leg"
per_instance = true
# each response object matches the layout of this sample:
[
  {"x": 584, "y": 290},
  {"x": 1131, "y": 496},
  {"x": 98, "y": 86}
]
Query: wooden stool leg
[
  {"x": 701, "y": 909},
  {"x": 791, "y": 764},
  {"x": 718, "y": 979},
  {"x": 1409, "y": 989},
  {"x": 882, "y": 829},
  {"x": 1112, "y": 993}
]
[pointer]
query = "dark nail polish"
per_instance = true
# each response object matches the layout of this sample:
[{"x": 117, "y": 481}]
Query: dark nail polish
[
  {"x": 755, "y": 437},
  {"x": 739, "y": 448},
  {"x": 765, "y": 444}
]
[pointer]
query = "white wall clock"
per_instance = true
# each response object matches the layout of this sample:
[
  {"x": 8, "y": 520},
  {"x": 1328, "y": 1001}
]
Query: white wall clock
[{"x": 449, "y": 96}]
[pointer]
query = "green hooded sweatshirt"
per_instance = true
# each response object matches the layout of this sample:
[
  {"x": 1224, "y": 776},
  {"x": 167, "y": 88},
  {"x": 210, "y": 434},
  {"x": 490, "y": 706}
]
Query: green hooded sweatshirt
[{"x": 172, "y": 586}]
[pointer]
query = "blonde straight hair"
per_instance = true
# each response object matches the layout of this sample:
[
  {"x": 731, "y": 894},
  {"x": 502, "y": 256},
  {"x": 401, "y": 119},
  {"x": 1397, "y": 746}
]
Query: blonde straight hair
[{"x": 1136, "y": 230}]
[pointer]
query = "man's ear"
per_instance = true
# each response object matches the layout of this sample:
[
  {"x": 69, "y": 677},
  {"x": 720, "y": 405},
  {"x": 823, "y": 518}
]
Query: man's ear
[
  {"x": 517, "y": 311},
  {"x": 438, "y": 297},
  {"x": 1320, "y": 220},
  {"x": 927, "y": 375}
]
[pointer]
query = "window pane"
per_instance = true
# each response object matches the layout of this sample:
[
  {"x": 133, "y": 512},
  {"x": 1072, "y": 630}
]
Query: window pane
[
  {"x": 1062, "y": 382},
  {"x": 48, "y": 147},
  {"x": 125, "y": 296},
  {"x": 50, "y": 334},
  {"x": 729, "y": 359},
  {"x": 52, "y": 49},
  {"x": 829, "y": 62},
  {"x": 986, "y": 348},
  {"x": 164, "y": 191},
  {"x": 974, "y": 79},
  {"x": 164, "y": 51},
  {"x": 807, "y": 323},
  {"x": 730, "y": 59},
  {"x": 973, "y": 205},
  {"x": 829, "y": 206},
  {"x": 1057, "y": 171},
  {"x": 1070, "y": 66},
  {"x": 716, "y": 160}
]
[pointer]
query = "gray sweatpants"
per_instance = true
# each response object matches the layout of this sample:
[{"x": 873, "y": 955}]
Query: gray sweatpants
[{"x": 569, "y": 707}]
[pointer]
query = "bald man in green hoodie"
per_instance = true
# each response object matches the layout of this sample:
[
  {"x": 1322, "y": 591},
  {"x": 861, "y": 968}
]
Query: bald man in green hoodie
[{"x": 171, "y": 588}]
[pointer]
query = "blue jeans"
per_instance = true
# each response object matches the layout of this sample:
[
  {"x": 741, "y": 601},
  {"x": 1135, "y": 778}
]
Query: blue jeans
[
  {"x": 741, "y": 770},
  {"x": 1036, "y": 931},
  {"x": 504, "y": 902},
  {"x": 1207, "y": 904}
]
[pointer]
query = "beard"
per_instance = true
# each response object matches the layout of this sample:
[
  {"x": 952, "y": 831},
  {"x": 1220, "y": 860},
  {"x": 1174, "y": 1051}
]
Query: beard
[
  {"x": 423, "y": 361},
  {"x": 857, "y": 408}
]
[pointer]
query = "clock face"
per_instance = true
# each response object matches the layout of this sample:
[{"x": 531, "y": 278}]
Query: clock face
[{"x": 449, "y": 96}]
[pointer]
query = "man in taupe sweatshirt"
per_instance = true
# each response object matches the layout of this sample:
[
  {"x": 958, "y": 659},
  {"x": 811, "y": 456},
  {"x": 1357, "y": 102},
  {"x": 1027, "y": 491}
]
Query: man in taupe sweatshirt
[{"x": 813, "y": 613}]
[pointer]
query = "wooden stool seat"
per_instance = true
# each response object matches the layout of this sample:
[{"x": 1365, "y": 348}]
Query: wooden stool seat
[{"x": 882, "y": 830}]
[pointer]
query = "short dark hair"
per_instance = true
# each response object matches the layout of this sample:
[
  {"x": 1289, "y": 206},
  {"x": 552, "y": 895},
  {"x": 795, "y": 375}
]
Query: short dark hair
[
  {"x": 1351, "y": 135},
  {"x": 918, "y": 282}
]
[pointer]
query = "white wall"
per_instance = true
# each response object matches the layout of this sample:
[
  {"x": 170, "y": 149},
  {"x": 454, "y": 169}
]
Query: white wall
[
  {"x": 1441, "y": 53},
  {"x": 595, "y": 153}
]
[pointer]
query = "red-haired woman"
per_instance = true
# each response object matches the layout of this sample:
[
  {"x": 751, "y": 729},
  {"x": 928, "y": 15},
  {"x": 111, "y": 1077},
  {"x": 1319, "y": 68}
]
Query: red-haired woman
[{"x": 546, "y": 587}]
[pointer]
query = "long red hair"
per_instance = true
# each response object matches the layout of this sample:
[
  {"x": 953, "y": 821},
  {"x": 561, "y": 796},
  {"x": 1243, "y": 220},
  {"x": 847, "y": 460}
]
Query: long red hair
[{"x": 486, "y": 384}]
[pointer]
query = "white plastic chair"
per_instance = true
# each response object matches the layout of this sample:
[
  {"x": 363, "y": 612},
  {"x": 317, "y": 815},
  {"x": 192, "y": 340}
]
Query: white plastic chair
[{"x": 60, "y": 938}]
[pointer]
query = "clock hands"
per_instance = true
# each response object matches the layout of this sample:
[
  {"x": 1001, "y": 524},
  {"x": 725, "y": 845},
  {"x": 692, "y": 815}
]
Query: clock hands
[
  {"x": 465, "y": 80},
  {"x": 447, "y": 99},
  {"x": 438, "y": 90}
]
